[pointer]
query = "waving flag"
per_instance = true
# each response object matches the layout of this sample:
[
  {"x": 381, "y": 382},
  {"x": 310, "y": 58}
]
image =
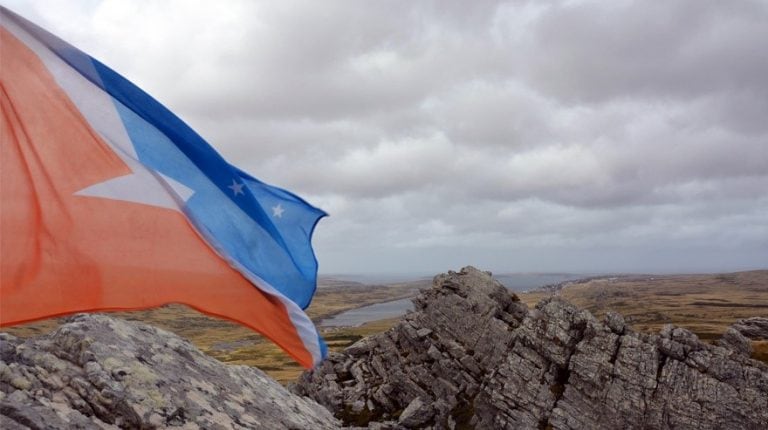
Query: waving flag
[{"x": 109, "y": 201}]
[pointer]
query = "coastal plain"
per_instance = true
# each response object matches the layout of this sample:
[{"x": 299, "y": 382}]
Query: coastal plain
[{"x": 704, "y": 304}]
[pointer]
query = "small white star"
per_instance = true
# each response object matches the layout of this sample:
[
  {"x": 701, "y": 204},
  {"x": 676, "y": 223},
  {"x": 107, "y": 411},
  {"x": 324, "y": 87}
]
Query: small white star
[
  {"x": 277, "y": 211},
  {"x": 236, "y": 188}
]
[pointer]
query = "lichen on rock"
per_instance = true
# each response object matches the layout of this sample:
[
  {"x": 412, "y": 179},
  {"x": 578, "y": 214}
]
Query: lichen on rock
[{"x": 101, "y": 372}]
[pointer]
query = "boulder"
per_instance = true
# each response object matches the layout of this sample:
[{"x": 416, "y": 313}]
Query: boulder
[
  {"x": 101, "y": 372},
  {"x": 755, "y": 328}
]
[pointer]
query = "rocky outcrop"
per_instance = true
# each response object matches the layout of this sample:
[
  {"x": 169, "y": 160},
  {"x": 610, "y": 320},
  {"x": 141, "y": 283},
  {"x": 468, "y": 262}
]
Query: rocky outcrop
[
  {"x": 470, "y": 356},
  {"x": 755, "y": 328},
  {"x": 473, "y": 356},
  {"x": 102, "y": 372},
  {"x": 733, "y": 340}
]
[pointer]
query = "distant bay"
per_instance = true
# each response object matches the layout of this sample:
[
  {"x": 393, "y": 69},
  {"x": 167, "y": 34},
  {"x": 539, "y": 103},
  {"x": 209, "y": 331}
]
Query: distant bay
[{"x": 359, "y": 316}]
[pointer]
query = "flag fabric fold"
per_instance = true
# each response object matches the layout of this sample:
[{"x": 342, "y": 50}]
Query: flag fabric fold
[{"x": 109, "y": 201}]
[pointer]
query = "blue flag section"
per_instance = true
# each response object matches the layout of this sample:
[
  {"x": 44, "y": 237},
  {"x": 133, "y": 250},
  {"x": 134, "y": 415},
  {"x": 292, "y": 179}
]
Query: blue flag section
[
  {"x": 261, "y": 228},
  {"x": 295, "y": 220}
]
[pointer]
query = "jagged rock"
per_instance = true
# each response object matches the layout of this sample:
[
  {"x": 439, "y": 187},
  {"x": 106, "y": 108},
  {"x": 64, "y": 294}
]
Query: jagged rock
[
  {"x": 755, "y": 328},
  {"x": 469, "y": 317},
  {"x": 102, "y": 372},
  {"x": 416, "y": 414},
  {"x": 615, "y": 322},
  {"x": 735, "y": 341},
  {"x": 472, "y": 355}
]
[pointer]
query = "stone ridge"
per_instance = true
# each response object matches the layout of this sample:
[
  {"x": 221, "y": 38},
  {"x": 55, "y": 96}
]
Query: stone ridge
[
  {"x": 755, "y": 328},
  {"x": 472, "y": 356},
  {"x": 102, "y": 372}
]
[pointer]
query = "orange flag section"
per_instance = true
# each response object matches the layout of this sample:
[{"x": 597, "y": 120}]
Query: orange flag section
[{"x": 61, "y": 253}]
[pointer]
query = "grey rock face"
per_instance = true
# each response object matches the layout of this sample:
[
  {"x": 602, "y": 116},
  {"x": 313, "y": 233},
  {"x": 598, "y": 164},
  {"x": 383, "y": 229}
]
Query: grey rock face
[
  {"x": 415, "y": 414},
  {"x": 735, "y": 341},
  {"x": 755, "y": 328},
  {"x": 102, "y": 372},
  {"x": 473, "y": 356}
]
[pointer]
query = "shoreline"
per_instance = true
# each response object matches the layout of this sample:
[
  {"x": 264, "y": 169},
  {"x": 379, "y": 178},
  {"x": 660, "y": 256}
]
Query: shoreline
[
  {"x": 320, "y": 325},
  {"x": 319, "y": 319}
]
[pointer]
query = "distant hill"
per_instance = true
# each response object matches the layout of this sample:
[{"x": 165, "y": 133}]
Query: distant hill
[{"x": 705, "y": 304}]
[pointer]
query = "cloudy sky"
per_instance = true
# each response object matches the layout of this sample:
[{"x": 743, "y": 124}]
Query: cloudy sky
[{"x": 587, "y": 136}]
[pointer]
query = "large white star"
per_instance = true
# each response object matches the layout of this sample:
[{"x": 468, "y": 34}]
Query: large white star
[{"x": 142, "y": 185}]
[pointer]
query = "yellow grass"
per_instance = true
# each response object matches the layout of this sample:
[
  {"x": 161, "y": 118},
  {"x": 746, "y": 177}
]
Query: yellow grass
[{"x": 760, "y": 350}]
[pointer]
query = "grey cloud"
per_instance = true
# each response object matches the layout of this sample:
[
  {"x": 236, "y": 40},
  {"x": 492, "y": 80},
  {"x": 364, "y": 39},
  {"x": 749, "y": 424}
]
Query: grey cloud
[
  {"x": 519, "y": 135},
  {"x": 597, "y": 51}
]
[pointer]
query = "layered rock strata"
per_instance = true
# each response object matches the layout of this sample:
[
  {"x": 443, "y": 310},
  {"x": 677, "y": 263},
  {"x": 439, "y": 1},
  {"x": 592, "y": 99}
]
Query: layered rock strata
[{"x": 473, "y": 356}]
